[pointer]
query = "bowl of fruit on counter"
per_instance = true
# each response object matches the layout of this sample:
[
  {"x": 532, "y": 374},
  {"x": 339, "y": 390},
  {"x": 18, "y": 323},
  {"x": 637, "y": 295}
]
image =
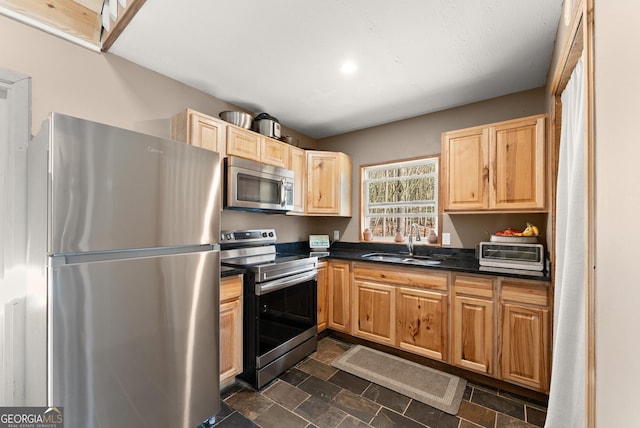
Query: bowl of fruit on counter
[{"x": 528, "y": 235}]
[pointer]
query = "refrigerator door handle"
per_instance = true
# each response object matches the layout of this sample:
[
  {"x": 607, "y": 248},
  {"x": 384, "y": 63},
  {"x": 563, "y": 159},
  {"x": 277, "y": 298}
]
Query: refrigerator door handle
[{"x": 70, "y": 259}]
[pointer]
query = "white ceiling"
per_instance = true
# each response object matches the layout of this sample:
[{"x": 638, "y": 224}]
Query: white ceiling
[{"x": 284, "y": 57}]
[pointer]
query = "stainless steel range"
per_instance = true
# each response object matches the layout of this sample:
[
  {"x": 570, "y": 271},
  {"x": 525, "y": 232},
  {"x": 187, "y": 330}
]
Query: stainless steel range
[{"x": 280, "y": 303}]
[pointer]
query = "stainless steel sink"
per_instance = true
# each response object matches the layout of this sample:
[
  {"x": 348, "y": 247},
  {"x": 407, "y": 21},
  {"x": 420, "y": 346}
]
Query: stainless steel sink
[
  {"x": 385, "y": 257},
  {"x": 401, "y": 258},
  {"x": 422, "y": 261}
]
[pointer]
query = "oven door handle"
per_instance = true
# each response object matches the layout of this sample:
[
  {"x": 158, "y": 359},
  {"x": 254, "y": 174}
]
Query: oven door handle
[{"x": 288, "y": 281}]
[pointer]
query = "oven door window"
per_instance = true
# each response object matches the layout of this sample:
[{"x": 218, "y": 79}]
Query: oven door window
[{"x": 286, "y": 313}]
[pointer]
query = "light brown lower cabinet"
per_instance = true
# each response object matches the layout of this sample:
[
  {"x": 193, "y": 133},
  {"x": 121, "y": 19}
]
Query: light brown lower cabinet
[
  {"x": 402, "y": 307},
  {"x": 339, "y": 280},
  {"x": 526, "y": 333},
  {"x": 494, "y": 325},
  {"x": 474, "y": 326},
  {"x": 422, "y": 322},
  {"x": 230, "y": 328},
  {"x": 323, "y": 298},
  {"x": 374, "y": 311}
]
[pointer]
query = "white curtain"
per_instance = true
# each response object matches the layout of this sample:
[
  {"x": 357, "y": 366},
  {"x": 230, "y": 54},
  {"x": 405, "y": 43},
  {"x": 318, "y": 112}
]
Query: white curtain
[{"x": 567, "y": 395}]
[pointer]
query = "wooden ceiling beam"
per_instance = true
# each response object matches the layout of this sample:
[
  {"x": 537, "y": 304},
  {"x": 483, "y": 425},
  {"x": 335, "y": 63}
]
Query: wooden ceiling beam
[
  {"x": 125, "y": 15},
  {"x": 67, "y": 16}
]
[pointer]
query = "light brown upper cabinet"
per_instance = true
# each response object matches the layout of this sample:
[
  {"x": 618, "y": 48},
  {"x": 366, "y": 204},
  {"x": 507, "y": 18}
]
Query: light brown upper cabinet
[
  {"x": 328, "y": 183},
  {"x": 199, "y": 130},
  {"x": 243, "y": 143},
  {"x": 298, "y": 164},
  {"x": 495, "y": 167},
  {"x": 274, "y": 152},
  {"x": 251, "y": 145}
]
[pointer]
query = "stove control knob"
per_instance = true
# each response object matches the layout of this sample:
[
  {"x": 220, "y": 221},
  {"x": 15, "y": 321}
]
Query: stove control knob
[
  {"x": 270, "y": 234},
  {"x": 264, "y": 234}
]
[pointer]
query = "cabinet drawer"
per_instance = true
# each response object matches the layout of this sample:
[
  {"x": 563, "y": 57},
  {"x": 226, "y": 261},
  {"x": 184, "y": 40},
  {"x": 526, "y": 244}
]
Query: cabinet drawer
[
  {"x": 530, "y": 292},
  {"x": 230, "y": 288},
  {"x": 413, "y": 277},
  {"x": 473, "y": 286}
]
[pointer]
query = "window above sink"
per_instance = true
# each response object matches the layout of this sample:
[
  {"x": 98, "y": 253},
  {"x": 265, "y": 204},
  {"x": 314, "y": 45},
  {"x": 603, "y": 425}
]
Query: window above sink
[{"x": 397, "y": 194}]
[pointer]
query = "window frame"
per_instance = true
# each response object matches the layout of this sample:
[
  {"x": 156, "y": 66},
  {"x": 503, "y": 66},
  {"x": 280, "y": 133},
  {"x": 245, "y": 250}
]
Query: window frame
[{"x": 438, "y": 198}]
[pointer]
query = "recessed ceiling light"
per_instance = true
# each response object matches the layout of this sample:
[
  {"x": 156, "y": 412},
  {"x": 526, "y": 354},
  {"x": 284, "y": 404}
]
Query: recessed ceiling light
[{"x": 349, "y": 67}]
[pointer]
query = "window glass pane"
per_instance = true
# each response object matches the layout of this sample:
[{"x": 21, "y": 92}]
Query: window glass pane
[{"x": 397, "y": 194}]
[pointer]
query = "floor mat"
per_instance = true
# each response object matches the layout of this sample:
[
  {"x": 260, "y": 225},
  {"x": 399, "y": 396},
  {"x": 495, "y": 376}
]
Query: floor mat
[{"x": 433, "y": 387}]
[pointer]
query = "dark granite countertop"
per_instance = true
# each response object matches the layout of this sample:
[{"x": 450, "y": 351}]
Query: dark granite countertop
[
  {"x": 230, "y": 271},
  {"x": 451, "y": 259}
]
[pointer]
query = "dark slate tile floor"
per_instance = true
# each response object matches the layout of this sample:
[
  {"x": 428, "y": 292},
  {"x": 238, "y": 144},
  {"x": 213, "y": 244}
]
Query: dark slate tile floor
[{"x": 313, "y": 394}]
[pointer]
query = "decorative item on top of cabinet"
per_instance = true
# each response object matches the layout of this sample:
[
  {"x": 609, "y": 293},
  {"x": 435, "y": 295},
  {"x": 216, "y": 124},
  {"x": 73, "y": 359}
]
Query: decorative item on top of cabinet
[
  {"x": 230, "y": 328},
  {"x": 495, "y": 167},
  {"x": 525, "y": 347},
  {"x": 329, "y": 179},
  {"x": 323, "y": 298},
  {"x": 339, "y": 274},
  {"x": 474, "y": 326},
  {"x": 200, "y": 130}
]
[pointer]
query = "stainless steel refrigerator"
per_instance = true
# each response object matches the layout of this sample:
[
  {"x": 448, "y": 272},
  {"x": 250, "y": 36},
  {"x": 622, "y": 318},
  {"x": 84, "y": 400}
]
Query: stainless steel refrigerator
[{"x": 123, "y": 284}]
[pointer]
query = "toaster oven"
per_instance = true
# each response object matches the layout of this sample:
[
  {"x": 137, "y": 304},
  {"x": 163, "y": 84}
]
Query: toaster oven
[{"x": 514, "y": 256}]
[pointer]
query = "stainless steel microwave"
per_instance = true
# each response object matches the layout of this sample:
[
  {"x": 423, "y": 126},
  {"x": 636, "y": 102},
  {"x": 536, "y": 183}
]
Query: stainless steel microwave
[
  {"x": 255, "y": 186},
  {"x": 513, "y": 256}
]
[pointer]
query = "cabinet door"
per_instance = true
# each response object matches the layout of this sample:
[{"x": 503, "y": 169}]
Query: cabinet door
[
  {"x": 230, "y": 328},
  {"x": 374, "y": 311},
  {"x": 422, "y": 322},
  {"x": 323, "y": 298},
  {"x": 207, "y": 133},
  {"x": 525, "y": 340},
  {"x": 473, "y": 332},
  {"x": 243, "y": 143},
  {"x": 298, "y": 164},
  {"x": 274, "y": 152},
  {"x": 518, "y": 172},
  {"x": 230, "y": 340},
  {"x": 323, "y": 175},
  {"x": 466, "y": 169},
  {"x": 199, "y": 129},
  {"x": 339, "y": 296},
  {"x": 474, "y": 327}
]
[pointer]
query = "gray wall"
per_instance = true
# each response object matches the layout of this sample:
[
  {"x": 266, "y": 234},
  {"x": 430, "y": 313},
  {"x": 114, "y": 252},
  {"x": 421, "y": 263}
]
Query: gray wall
[
  {"x": 421, "y": 136},
  {"x": 108, "y": 89},
  {"x": 70, "y": 79}
]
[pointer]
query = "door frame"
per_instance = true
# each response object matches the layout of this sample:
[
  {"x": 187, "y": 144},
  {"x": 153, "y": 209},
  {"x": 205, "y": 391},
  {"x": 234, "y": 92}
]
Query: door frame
[
  {"x": 579, "y": 43},
  {"x": 15, "y": 123}
]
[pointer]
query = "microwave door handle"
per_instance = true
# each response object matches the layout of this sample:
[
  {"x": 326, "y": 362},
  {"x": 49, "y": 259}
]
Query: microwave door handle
[{"x": 283, "y": 192}]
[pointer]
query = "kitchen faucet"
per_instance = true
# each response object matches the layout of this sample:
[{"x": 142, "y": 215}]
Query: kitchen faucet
[{"x": 410, "y": 243}]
